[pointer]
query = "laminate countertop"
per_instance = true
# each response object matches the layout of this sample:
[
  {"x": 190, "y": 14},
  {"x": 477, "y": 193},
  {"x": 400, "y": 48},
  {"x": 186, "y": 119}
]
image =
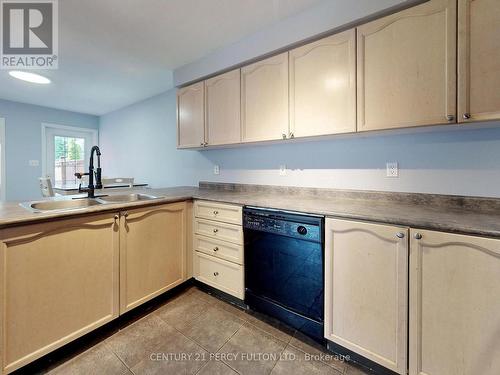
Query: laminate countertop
[{"x": 466, "y": 215}]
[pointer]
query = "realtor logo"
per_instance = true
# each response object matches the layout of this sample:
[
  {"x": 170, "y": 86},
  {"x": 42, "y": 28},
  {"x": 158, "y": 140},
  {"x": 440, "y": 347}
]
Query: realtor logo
[{"x": 29, "y": 34}]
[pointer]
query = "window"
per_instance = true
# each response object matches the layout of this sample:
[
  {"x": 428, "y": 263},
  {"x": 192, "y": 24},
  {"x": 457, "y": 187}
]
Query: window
[{"x": 67, "y": 151}]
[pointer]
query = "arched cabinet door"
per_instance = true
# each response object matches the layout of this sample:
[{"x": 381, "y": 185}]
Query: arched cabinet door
[
  {"x": 478, "y": 60},
  {"x": 191, "y": 116},
  {"x": 407, "y": 68},
  {"x": 454, "y": 304},
  {"x": 323, "y": 86},
  {"x": 264, "y": 99},
  {"x": 366, "y": 273}
]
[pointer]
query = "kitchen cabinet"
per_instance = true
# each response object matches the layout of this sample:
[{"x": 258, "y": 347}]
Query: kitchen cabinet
[
  {"x": 222, "y": 96},
  {"x": 191, "y": 116},
  {"x": 153, "y": 242},
  {"x": 366, "y": 271},
  {"x": 323, "y": 86},
  {"x": 264, "y": 99},
  {"x": 454, "y": 304},
  {"x": 59, "y": 281},
  {"x": 478, "y": 60},
  {"x": 406, "y": 74}
]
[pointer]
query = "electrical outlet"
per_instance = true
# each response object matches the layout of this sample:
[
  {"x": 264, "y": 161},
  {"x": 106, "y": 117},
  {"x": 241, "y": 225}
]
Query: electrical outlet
[
  {"x": 34, "y": 163},
  {"x": 282, "y": 170},
  {"x": 392, "y": 169},
  {"x": 216, "y": 169}
]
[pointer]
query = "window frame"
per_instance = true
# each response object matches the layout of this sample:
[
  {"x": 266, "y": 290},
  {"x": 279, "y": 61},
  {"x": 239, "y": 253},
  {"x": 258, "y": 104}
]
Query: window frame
[{"x": 48, "y": 127}]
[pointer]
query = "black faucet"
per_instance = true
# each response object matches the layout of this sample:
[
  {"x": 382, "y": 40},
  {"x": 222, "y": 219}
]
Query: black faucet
[{"x": 92, "y": 171}]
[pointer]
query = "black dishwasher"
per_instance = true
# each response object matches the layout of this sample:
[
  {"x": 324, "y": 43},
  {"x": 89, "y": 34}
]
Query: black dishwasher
[{"x": 284, "y": 258}]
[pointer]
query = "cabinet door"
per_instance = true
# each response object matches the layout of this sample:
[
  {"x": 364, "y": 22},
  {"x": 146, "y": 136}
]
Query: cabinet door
[
  {"x": 222, "y": 95},
  {"x": 153, "y": 253},
  {"x": 323, "y": 86},
  {"x": 59, "y": 281},
  {"x": 366, "y": 290},
  {"x": 191, "y": 116},
  {"x": 454, "y": 304},
  {"x": 407, "y": 68},
  {"x": 478, "y": 60},
  {"x": 264, "y": 99}
]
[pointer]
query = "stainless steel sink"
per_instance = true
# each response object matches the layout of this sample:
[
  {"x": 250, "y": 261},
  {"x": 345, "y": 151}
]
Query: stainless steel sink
[
  {"x": 126, "y": 198},
  {"x": 60, "y": 205}
]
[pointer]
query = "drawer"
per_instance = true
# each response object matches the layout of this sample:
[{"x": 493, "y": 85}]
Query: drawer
[
  {"x": 220, "y": 249},
  {"x": 226, "y": 213},
  {"x": 220, "y": 274},
  {"x": 222, "y": 231}
]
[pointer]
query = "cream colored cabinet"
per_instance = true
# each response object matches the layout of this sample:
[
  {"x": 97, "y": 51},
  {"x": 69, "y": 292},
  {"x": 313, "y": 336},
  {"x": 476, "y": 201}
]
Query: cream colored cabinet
[
  {"x": 407, "y": 68},
  {"x": 59, "y": 281},
  {"x": 478, "y": 60},
  {"x": 222, "y": 98},
  {"x": 323, "y": 86},
  {"x": 191, "y": 116},
  {"x": 153, "y": 242},
  {"x": 264, "y": 99},
  {"x": 366, "y": 273},
  {"x": 454, "y": 304}
]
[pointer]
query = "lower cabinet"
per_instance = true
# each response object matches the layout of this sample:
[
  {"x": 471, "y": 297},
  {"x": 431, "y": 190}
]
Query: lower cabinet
[
  {"x": 220, "y": 274},
  {"x": 153, "y": 256},
  {"x": 59, "y": 281},
  {"x": 366, "y": 273},
  {"x": 454, "y": 304}
]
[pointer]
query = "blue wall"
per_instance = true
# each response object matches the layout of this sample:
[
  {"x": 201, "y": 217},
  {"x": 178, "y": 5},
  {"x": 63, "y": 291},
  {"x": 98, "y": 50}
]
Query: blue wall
[
  {"x": 140, "y": 141},
  {"x": 23, "y": 142}
]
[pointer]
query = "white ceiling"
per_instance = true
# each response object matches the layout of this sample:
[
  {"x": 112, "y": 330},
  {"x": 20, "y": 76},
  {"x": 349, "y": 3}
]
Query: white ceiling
[{"x": 113, "y": 53}]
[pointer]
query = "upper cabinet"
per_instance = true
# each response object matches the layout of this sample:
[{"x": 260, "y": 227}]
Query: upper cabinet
[
  {"x": 478, "y": 60},
  {"x": 407, "y": 68},
  {"x": 191, "y": 116},
  {"x": 222, "y": 98},
  {"x": 264, "y": 99},
  {"x": 323, "y": 86}
]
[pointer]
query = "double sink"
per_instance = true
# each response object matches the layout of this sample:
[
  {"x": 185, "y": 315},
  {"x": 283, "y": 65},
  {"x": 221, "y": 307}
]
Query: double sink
[{"x": 83, "y": 203}]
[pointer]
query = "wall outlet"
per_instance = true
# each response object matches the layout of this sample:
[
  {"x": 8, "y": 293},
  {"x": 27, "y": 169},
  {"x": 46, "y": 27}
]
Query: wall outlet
[
  {"x": 392, "y": 169},
  {"x": 34, "y": 163},
  {"x": 216, "y": 169},
  {"x": 282, "y": 170}
]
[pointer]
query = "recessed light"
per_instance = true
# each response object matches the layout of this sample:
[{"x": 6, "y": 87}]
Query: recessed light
[{"x": 29, "y": 77}]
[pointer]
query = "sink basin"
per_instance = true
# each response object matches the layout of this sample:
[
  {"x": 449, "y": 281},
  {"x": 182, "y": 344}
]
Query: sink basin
[
  {"x": 127, "y": 198},
  {"x": 62, "y": 205}
]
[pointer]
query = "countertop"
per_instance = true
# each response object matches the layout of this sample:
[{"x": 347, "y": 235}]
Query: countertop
[{"x": 478, "y": 216}]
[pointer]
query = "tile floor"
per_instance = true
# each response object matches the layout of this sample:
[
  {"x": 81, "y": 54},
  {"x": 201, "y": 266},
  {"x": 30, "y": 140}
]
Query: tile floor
[{"x": 196, "y": 333}]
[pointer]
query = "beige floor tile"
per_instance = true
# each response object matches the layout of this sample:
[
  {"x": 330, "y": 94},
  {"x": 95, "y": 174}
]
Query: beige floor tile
[
  {"x": 295, "y": 362},
  {"x": 252, "y": 351},
  {"x": 213, "y": 328},
  {"x": 216, "y": 368},
  {"x": 97, "y": 360},
  {"x": 308, "y": 345},
  {"x": 356, "y": 370}
]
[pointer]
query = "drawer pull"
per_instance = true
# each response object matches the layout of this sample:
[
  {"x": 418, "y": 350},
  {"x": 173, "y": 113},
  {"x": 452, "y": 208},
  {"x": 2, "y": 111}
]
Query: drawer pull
[
  {"x": 216, "y": 248},
  {"x": 215, "y": 230},
  {"x": 216, "y": 212},
  {"x": 216, "y": 273}
]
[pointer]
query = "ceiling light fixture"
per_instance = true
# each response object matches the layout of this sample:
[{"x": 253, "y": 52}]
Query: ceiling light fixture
[{"x": 29, "y": 77}]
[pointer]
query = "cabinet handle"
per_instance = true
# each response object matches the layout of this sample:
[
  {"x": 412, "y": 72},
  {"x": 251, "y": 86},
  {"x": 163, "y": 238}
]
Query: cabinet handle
[
  {"x": 291, "y": 135},
  {"x": 418, "y": 236},
  {"x": 205, "y": 144},
  {"x": 400, "y": 235},
  {"x": 125, "y": 215},
  {"x": 283, "y": 136},
  {"x": 117, "y": 217},
  {"x": 202, "y": 144},
  {"x": 216, "y": 230},
  {"x": 466, "y": 116},
  {"x": 216, "y": 248},
  {"x": 216, "y": 273},
  {"x": 450, "y": 118},
  {"x": 216, "y": 212}
]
